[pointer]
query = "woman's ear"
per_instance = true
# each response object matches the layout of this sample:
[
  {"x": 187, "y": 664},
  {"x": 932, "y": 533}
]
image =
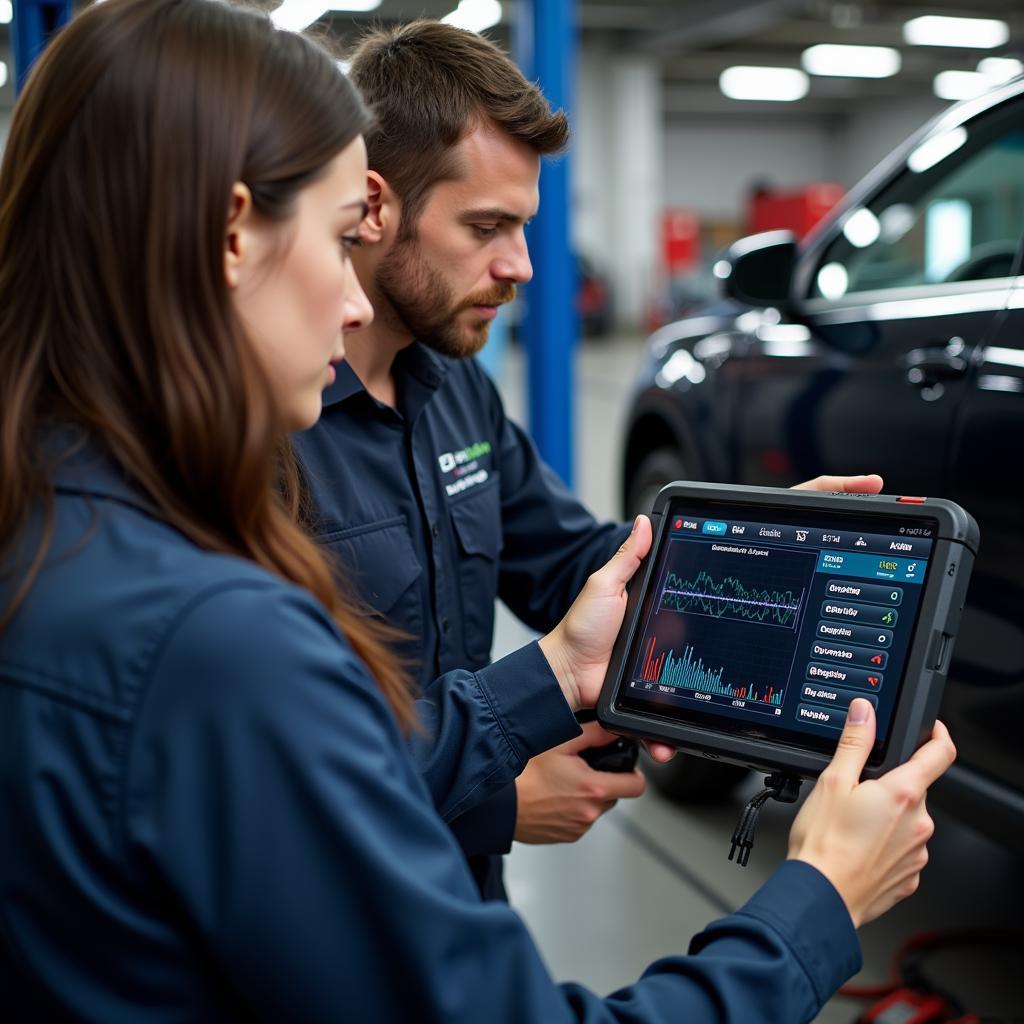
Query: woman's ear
[
  {"x": 238, "y": 238},
  {"x": 383, "y": 211}
]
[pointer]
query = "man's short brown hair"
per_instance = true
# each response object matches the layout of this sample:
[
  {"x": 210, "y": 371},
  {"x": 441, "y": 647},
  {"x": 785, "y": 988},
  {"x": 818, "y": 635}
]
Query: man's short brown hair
[{"x": 428, "y": 83}]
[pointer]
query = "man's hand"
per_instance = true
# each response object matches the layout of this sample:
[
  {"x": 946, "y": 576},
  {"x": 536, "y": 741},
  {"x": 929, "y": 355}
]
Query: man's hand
[
  {"x": 869, "y": 484},
  {"x": 559, "y": 796},
  {"x": 579, "y": 647}
]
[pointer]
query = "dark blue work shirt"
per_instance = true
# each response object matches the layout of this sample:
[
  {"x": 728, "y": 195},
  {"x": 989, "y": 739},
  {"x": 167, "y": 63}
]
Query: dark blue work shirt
[
  {"x": 436, "y": 508},
  {"x": 207, "y": 813}
]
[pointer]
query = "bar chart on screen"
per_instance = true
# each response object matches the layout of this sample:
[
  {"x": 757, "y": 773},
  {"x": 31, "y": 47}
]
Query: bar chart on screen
[{"x": 687, "y": 671}]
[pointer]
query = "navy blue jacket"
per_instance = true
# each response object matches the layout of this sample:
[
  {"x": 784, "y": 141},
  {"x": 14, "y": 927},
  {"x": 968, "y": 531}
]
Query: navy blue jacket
[
  {"x": 207, "y": 812},
  {"x": 436, "y": 508}
]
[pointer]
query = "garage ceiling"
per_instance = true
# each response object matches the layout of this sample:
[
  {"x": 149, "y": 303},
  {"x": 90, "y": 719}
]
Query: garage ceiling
[{"x": 695, "y": 40}]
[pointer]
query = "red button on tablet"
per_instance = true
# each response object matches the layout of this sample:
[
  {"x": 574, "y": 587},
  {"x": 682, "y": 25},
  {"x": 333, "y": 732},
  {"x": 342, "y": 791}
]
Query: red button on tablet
[{"x": 913, "y": 501}]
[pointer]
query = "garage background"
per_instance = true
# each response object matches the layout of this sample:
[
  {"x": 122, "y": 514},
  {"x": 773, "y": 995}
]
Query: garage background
[{"x": 665, "y": 170}]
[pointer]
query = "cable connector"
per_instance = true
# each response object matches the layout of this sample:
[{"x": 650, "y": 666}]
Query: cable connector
[{"x": 778, "y": 786}]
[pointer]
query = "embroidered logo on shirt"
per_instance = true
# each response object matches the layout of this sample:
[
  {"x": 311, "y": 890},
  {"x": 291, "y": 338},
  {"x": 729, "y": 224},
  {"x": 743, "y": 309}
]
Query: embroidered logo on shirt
[{"x": 462, "y": 468}]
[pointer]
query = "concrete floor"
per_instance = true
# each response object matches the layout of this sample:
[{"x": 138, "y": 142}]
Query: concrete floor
[{"x": 601, "y": 926}]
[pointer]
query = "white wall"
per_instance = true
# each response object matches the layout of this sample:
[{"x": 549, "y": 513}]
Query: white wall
[
  {"x": 711, "y": 165},
  {"x": 591, "y": 153}
]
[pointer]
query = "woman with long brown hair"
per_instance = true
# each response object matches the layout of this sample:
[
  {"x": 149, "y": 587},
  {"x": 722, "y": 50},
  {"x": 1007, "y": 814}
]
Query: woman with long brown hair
[{"x": 207, "y": 810}]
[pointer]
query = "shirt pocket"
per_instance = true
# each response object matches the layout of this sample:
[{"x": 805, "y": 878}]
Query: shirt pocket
[
  {"x": 378, "y": 562},
  {"x": 476, "y": 519}
]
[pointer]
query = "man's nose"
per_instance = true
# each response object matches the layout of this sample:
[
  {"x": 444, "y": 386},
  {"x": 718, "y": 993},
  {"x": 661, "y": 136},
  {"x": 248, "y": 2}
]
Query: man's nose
[{"x": 513, "y": 264}]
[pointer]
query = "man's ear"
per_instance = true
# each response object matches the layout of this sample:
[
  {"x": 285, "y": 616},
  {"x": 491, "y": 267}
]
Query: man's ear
[
  {"x": 238, "y": 237},
  {"x": 384, "y": 209}
]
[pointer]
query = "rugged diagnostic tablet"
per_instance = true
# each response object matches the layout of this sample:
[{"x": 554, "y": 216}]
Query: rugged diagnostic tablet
[{"x": 760, "y": 613}]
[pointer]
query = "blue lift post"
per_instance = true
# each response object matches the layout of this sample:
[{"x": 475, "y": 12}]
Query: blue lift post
[
  {"x": 545, "y": 47},
  {"x": 33, "y": 23}
]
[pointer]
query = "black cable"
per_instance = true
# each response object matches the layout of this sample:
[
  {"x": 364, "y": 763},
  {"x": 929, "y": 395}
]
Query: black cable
[{"x": 777, "y": 786}]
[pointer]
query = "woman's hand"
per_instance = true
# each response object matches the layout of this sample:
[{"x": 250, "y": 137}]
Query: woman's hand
[{"x": 869, "y": 838}]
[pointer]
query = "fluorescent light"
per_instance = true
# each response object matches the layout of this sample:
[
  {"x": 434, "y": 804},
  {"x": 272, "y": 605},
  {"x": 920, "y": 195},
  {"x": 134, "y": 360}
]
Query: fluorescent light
[
  {"x": 936, "y": 148},
  {"x": 295, "y": 15},
  {"x": 862, "y": 228},
  {"x": 960, "y": 85},
  {"x": 783, "y": 85},
  {"x": 6, "y": 12},
  {"x": 1000, "y": 69},
  {"x": 851, "y": 61},
  {"x": 974, "y": 33},
  {"x": 3, "y": 73},
  {"x": 474, "y": 15},
  {"x": 833, "y": 281}
]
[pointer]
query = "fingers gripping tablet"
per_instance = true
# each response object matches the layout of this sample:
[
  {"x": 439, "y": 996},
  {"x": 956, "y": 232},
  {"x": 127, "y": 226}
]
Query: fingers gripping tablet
[{"x": 761, "y": 613}]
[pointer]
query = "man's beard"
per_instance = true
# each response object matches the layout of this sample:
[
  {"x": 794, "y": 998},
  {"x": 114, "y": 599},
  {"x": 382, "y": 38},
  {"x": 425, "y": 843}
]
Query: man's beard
[{"x": 424, "y": 304}]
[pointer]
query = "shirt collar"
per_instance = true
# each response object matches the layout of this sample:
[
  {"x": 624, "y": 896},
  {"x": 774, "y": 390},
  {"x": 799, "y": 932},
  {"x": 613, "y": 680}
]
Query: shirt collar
[
  {"x": 416, "y": 360},
  {"x": 81, "y": 466}
]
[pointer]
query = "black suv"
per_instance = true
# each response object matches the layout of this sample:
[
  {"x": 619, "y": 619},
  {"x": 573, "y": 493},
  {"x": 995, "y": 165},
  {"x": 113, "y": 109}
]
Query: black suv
[{"x": 892, "y": 341}]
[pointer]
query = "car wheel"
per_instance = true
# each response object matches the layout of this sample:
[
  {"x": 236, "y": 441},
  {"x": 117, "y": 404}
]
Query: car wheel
[
  {"x": 685, "y": 779},
  {"x": 656, "y": 469}
]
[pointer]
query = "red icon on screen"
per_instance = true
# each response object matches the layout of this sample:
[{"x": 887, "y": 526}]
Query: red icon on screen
[
  {"x": 876, "y": 660},
  {"x": 873, "y": 680},
  {"x": 679, "y": 524}
]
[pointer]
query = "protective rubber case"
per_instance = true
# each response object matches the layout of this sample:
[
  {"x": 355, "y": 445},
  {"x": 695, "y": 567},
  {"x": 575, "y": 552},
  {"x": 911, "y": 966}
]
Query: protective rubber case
[{"x": 927, "y": 660}]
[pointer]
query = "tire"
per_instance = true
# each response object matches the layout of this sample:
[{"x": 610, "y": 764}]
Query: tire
[
  {"x": 685, "y": 779},
  {"x": 656, "y": 469}
]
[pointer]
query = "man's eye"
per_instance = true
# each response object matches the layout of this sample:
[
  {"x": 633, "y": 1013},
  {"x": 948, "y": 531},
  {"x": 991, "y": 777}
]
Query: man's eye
[
  {"x": 349, "y": 242},
  {"x": 485, "y": 230}
]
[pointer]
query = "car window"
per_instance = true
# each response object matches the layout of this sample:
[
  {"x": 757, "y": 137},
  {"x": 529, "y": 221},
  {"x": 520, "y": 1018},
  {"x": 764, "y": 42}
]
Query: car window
[{"x": 955, "y": 213}]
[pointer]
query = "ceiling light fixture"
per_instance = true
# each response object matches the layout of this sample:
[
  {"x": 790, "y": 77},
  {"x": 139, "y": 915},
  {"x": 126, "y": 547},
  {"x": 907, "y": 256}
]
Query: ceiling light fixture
[
  {"x": 1000, "y": 69},
  {"x": 960, "y": 85},
  {"x": 295, "y": 15},
  {"x": 851, "y": 61},
  {"x": 474, "y": 15},
  {"x": 6, "y": 12},
  {"x": 973, "y": 33},
  {"x": 781, "y": 85}
]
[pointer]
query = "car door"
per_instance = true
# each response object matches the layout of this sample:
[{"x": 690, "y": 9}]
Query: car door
[
  {"x": 985, "y": 695},
  {"x": 891, "y": 303}
]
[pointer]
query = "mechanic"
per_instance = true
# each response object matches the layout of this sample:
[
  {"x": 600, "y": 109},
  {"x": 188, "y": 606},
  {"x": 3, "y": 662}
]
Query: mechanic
[{"x": 431, "y": 497}]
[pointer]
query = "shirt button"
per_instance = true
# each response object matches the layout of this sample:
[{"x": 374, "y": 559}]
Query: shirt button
[
  {"x": 445, "y": 625},
  {"x": 435, "y": 532}
]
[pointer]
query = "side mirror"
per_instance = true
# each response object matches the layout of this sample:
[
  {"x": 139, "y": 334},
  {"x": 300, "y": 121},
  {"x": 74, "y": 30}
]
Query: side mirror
[{"x": 758, "y": 270}]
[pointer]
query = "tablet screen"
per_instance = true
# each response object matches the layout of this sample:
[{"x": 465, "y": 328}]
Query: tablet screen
[{"x": 766, "y": 623}]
